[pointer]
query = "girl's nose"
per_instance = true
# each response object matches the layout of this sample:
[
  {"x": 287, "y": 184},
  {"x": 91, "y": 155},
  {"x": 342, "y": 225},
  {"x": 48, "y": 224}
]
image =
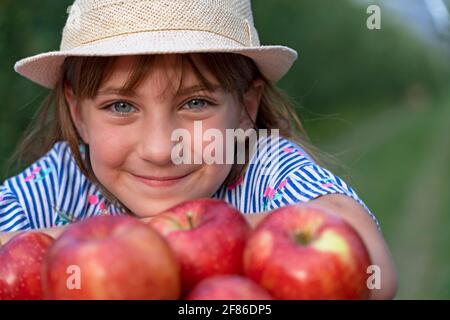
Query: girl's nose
[{"x": 156, "y": 145}]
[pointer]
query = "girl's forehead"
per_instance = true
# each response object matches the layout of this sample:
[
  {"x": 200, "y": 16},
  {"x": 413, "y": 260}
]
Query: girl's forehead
[{"x": 166, "y": 75}]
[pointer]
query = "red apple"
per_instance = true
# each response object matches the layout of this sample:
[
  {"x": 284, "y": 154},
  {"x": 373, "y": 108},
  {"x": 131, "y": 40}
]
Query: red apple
[
  {"x": 207, "y": 235},
  {"x": 302, "y": 252},
  {"x": 108, "y": 258},
  {"x": 228, "y": 287},
  {"x": 21, "y": 261}
]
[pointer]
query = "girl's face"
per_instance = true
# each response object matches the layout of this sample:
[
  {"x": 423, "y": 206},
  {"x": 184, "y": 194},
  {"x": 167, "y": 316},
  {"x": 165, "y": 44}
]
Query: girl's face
[{"x": 129, "y": 137}]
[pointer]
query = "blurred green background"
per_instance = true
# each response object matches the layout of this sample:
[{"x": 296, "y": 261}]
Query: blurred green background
[{"x": 378, "y": 100}]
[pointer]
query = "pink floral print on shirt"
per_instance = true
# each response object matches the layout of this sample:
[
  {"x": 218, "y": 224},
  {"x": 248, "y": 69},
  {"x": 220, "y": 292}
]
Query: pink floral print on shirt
[
  {"x": 291, "y": 150},
  {"x": 93, "y": 200},
  {"x": 38, "y": 174},
  {"x": 327, "y": 182},
  {"x": 67, "y": 217},
  {"x": 271, "y": 194}
]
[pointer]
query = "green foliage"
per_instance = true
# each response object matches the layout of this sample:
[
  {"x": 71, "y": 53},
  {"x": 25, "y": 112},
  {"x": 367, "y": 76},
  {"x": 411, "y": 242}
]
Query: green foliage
[{"x": 341, "y": 61}]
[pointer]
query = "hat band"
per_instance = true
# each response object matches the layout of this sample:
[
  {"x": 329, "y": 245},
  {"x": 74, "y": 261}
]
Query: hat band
[{"x": 127, "y": 17}]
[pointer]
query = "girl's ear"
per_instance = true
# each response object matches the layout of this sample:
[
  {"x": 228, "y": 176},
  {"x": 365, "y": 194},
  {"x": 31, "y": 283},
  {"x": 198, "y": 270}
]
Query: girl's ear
[
  {"x": 252, "y": 99},
  {"x": 75, "y": 113}
]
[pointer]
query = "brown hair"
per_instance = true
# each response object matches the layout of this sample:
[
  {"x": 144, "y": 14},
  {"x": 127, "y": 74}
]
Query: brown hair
[{"x": 53, "y": 122}]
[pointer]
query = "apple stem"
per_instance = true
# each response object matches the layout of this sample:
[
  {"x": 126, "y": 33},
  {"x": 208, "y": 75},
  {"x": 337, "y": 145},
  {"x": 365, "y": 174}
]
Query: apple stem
[
  {"x": 191, "y": 222},
  {"x": 302, "y": 238}
]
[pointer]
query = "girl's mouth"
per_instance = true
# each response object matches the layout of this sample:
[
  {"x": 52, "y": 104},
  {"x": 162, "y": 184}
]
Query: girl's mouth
[{"x": 166, "y": 181}]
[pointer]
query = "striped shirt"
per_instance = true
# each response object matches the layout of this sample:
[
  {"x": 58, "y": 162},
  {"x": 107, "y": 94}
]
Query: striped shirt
[{"x": 53, "y": 191}]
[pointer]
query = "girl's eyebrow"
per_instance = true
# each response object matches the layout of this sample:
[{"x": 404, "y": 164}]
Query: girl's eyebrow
[
  {"x": 196, "y": 88},
  {"x": 182, "y": 92}
]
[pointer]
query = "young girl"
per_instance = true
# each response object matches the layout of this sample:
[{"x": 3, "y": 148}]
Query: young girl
[{"x": 131, "y": 73}]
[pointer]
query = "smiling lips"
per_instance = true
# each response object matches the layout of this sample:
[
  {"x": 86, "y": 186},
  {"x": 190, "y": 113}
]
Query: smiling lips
[{"x": 160, "y": 181}]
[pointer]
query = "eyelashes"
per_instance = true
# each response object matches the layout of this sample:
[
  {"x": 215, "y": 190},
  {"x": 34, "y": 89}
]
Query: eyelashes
[
  {"x": 125, "y": 108},
  {"x": 111, "y": 107},
  {"x": 197, "y": 104}
]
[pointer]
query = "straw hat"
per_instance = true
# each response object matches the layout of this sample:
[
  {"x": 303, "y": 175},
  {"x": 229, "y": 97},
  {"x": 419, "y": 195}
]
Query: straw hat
[{"x": 118, "y": 27}]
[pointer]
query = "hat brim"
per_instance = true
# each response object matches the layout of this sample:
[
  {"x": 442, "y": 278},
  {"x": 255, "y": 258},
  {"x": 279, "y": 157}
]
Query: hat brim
[{"x": 44, "y": 69}]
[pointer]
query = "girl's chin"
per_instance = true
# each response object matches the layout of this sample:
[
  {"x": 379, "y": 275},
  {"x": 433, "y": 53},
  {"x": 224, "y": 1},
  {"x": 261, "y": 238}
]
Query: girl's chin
[{"x": 153, "y": 210}]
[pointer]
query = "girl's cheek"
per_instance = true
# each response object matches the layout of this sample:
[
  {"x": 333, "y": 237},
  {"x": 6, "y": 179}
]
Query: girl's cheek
[{"x": 109, "y": 147}]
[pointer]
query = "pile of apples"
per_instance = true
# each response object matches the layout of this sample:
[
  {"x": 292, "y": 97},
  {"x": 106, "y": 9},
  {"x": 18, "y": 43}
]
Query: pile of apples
[{"x": 197, "y": 250}]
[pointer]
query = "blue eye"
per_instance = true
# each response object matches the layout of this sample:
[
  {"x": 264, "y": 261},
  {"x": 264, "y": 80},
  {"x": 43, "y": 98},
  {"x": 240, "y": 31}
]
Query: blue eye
[
  {"x": 122, "y": 108},
  {"x": 196, "y": 104}
]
